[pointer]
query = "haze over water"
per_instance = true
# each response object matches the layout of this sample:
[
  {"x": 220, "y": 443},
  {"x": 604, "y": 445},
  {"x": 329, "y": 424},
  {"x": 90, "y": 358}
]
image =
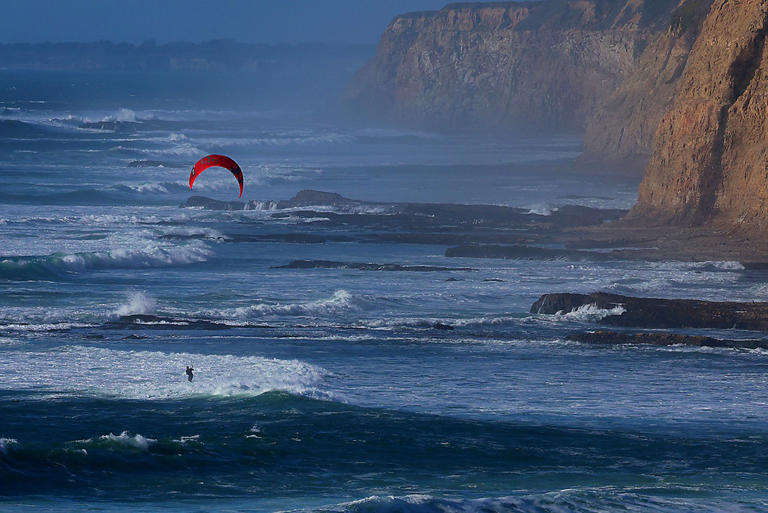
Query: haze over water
[{"x": 324, "y": 388}]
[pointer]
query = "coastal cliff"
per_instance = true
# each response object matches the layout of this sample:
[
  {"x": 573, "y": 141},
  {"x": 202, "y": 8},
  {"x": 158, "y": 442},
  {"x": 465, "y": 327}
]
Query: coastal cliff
[
  {"x": 622, "y": 129},
  {"x": 710, "y": 154},
  {"x": 513, "y": 65}
]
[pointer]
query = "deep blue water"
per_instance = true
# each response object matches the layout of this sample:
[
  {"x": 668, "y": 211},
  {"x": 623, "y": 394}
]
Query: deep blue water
[{"x": 329, "y": 389}]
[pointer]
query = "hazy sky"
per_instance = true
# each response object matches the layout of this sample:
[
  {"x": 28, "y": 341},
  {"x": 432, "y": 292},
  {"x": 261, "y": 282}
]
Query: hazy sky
[{"x": 257, "y": 21}]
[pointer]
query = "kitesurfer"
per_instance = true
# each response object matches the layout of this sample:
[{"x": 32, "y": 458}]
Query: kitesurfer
[{"x": 190, "y": 376}]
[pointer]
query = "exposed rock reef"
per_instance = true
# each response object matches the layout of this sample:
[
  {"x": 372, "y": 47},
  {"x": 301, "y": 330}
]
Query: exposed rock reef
[
  {"x": 319, "y": 217},
  {"x": 659, "y": 313},
  {"x": 663, "y": 339},
  {"x": 710, "y": 154},
  {"x": 622, "y": 129},
  {"x": 507, "y": 65}
]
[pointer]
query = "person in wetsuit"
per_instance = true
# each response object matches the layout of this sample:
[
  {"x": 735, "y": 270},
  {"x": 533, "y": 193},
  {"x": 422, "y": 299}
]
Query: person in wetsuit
[{"x": 189, "y": 373}]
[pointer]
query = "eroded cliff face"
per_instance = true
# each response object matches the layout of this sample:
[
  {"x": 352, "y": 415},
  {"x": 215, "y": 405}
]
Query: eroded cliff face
[
  {"x": 710, "y": 159},
  {"x": 621, "y": 131},
  {"x": 506, "y": 65}
]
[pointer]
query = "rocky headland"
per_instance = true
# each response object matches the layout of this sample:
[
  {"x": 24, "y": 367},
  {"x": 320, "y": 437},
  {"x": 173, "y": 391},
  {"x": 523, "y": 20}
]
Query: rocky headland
[
  {"x": 710, "y": 158},
  {"x": 510, "y": 65},
  {"x": 620, "y": 132}
]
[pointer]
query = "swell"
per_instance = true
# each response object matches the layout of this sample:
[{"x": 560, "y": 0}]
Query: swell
[
  {"x": 60, "y": 265},
  {"x": 278, "y": 443}
]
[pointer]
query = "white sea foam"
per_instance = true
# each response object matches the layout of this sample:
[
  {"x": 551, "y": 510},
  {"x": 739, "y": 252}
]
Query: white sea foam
[
  {"x": 261, "y": 205},
  {"x": 153, "y": 374},
  {"x": 135, "y": 258},
  {"x": 542, "y": 209},
  {"x": 7, "y": 443},
  {"x": 586, "y": 500},
  {"x": 590, "y": 313},
  {"x": 122, "y": 441},
  {"x": 341, "y": 301},
  {"x": 122, "y": 115},
  {"x": 149, "y": 187},
  {"x": 194, "y": 232},
  {"x": 137, "y": 303},
  {"x": 37, "y": 327}
]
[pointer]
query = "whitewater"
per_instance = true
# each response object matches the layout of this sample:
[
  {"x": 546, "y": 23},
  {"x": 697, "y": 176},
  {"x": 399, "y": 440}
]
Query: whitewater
[{"x": 419, "y": 383}]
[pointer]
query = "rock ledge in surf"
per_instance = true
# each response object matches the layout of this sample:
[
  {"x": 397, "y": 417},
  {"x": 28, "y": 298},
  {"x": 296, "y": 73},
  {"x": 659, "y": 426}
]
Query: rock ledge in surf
[
  {"x": 660, "y": 313},
  {"x": 662, "y": 339}
]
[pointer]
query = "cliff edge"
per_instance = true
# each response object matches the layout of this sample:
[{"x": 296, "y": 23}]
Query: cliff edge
[
  {"x": 710, "y": 158},
  {"x": 513, "y": 65},
  {"x": 622, "y": 129}
]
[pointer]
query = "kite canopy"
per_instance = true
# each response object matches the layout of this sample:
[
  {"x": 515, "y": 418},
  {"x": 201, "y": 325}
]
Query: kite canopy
[{"x": 217, "y": 161}]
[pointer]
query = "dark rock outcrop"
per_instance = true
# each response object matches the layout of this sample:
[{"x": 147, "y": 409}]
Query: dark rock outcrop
[
  {"x": 660, "y": 313},
  {"x": 424, "y": 214},
  {"x": 663, "y": 339},
  {"x": 506, "y": 65}
]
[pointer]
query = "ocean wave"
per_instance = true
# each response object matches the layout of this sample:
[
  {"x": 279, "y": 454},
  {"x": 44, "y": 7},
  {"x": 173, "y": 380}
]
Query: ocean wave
[
  {"x": 707, "y": 265},
  {"x": 98, "y": 219},
  {"x": 276, "y": 140},
  {"x": 193, "y": 232},
  {"x": 14, "y": 128},
  {"x": 137, "y": 304},
  {"x": 122, "y": 115},
  {"x": 43, "y": 327},
  {"x": 144, "y": 188},
  {"x": 340, "y": 302},
  {"x": 60, "y": 264},
  {"x": 7, "y": 443},
  {"x": 185, "y": 149},
  {"x": 157, "y": 375},
  {"x": 122, "y": 441},
  {"x": 541, "y": 209},
  {"x": 590, "y": 313},
  {"x": 570, "y": 500}
]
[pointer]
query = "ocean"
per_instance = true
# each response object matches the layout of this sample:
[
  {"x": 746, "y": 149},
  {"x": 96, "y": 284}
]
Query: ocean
[{"x": 330, "y": 387}]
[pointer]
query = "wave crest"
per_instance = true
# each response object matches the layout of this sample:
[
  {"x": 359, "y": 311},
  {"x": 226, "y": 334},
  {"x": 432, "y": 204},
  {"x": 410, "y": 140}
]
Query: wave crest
[
  {"x": 341, "y": 301},
  {"x": 122, "y": 441},
  {"x": 59, "y": 264},
  {"x": 138, "y": 304},
  {"x": 156, "y": 375}
]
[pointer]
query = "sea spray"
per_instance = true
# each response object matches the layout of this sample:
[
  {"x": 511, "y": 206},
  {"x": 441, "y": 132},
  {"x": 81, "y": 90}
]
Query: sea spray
[{"x": 137, "y": 303}]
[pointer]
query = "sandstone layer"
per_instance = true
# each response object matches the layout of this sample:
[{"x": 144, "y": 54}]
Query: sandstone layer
[{"x": 506, "y": 65}]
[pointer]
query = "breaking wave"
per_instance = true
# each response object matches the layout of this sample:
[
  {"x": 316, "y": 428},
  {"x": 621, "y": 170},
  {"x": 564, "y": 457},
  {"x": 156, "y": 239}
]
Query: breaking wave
[
  {"x": 157, "y": 375},
  {"x": 7, "y": 443},
  {"x": 59, "y": 264},
  {"x": 585, "y": 501},
  {"x": 138, "y": 304},
  {"x": 341, "y": 301},
  {"x": 590, "y": 313},
  {"x": 122, "y": 441}
]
